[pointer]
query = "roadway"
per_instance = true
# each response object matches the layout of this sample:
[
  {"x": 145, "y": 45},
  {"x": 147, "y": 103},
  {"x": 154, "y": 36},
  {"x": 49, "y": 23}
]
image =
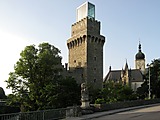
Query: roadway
[{"x": 149, "y": 113}]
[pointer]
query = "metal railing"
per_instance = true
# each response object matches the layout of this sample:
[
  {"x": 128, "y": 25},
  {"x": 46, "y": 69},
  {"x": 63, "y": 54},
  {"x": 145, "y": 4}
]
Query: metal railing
[
  {"x": 2, "y": 102},
  {"x": 52, "y": 114}
]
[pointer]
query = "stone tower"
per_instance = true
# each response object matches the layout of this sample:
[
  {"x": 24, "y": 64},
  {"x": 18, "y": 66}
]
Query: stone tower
[
  {"x": 86, "y": 47},
  {"x": 140, "y": 60}
]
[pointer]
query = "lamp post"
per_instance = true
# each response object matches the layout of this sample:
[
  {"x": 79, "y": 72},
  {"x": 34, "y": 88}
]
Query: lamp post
[
  {"x": 149, "y": 94},
  {"x": 149, "y": 84}
]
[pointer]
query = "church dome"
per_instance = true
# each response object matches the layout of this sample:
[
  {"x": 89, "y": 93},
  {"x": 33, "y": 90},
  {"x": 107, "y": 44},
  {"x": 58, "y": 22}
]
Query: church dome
[{"x": 140, "y": 55}]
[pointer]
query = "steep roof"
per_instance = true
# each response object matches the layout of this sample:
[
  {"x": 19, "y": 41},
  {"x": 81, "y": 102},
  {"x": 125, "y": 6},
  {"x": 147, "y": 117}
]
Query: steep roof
[
  {"x": 113, "y": 75},
  {"x": 135, "y": 75}
]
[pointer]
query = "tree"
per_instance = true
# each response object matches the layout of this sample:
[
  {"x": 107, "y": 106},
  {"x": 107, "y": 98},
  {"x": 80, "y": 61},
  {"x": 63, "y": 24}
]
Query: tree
[
  {"x": 113, "y": 92},
  {"x": 62, "y": 93},
  {"x": 142, "y": 91},
  {"x": 155, "y": 78},
  {"x": 126, "y": 93},
  {"x": 37, "y": 79},
  {"x": 94, "y": 94},
  {"x": 109, "y": 92},
  {"x": 154, "y": 81}
]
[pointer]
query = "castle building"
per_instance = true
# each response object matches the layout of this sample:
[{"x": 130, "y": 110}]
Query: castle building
[
  {"x": 86, "y": 47},
  {"x": 131, "y": 77}
]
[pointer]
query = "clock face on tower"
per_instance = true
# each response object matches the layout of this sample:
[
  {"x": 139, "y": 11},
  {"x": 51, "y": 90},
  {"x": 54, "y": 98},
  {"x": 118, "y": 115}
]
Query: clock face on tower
[{"x": 140, "y": 64}]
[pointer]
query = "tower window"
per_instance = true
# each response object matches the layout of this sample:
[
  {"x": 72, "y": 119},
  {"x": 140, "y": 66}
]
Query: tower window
[
  {"x": 95, "y": 58},
  {"x": 94, "y": 80},
  {"x": 94, "y": 68},
  {"x": 74, "y": 61}
]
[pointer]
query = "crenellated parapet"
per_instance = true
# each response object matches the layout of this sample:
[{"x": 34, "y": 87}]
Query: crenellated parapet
[
  {"x": 94, "y": 39},
  {"x": 76, "y": 42},
  {"x": 90, "y": 39},
  {"x": 86, "y": 26}
]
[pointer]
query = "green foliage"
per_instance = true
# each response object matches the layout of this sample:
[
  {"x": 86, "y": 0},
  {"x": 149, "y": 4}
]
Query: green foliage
[
  {"x": 36, "y": 82},
  {"x": 154, "y": 80},
  {"x": 100, "y": 101},
  {"x": 63, "y": 93},
  {"x": 109, "y": 92},
  {"x": 142, "y": 91},
  {"x": 93, "y": 94},
  {"x": 126, "y": 93},
  {"x": 113, "y": 92}
]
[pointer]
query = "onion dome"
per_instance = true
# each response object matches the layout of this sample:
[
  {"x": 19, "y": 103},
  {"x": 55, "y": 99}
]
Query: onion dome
[{"x": 140, "y": 55}]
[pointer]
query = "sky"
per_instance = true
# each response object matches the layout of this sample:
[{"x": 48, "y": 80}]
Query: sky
[{"x": 123, "y": 22}]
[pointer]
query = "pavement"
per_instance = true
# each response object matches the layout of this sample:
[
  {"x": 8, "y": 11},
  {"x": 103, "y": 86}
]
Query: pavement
[{"x": 105, "y": 113}]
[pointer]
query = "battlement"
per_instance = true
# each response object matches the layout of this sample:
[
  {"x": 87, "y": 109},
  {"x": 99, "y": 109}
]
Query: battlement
[
  {"x": 86, "y": 26},
  {"x": 90, "y": 39},
  {"x": 93, "y": 20}
]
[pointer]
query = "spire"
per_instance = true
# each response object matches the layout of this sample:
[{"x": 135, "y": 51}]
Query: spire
[
  {"x": 110, "y": 68},
  {"x": 122, "y": 72},
  {"x": 139, "y": 46},
  {"x": 139, "y": 55},
  {"x": 126, "y": 66}
]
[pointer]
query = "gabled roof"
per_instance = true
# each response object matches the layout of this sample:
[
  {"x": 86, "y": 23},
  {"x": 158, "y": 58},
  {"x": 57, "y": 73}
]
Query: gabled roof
[
  {"x": 113, "y": 75},
  {"x": 135, "y": 75}
]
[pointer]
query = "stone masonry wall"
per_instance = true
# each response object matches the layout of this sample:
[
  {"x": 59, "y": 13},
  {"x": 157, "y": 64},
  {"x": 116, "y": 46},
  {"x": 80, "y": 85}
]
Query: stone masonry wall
[{"x": 86, "y": 51}]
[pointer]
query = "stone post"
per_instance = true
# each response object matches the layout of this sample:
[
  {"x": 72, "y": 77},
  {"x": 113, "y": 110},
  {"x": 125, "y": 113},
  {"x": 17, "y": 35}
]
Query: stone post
[
  {"x": 85, "y": 106},
  {"x": 84, "y": 96}
]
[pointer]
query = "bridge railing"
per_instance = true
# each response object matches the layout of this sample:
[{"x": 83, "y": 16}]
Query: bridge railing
[{"x": 43, "y": 115}]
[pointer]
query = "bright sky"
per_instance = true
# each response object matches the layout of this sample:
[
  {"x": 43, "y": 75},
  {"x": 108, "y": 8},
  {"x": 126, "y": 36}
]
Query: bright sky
[{"x": 123, "y": 23}]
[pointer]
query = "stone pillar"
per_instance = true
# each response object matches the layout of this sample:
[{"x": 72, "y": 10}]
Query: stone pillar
[
  {"x": 85, "y": 107},
  {"x": 84, "y": 96}
]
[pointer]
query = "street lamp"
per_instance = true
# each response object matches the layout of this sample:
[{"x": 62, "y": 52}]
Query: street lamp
[{"x": 149, "y": 84}]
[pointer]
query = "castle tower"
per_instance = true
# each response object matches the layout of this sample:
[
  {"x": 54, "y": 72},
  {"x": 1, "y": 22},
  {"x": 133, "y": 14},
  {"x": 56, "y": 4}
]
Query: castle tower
[
  {"x": 86, "y": 47},
  {"x": 140, "y": 60}
]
